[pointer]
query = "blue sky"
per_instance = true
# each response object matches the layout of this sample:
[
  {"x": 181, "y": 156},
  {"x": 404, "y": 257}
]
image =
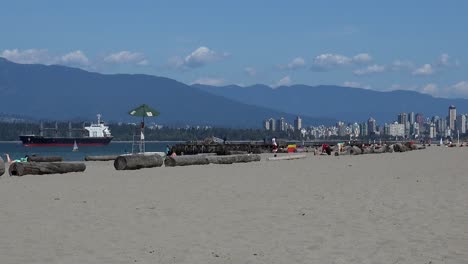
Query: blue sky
[{"x": 411, "y": 45}]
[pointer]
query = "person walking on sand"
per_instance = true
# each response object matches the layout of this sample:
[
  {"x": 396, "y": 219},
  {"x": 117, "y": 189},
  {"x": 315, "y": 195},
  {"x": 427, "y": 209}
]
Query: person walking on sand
[{"x": 275, "y": 146}]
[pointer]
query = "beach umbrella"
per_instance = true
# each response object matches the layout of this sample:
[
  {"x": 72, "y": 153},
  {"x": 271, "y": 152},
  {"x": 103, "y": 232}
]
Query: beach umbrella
[{"x": 143, "y": 111}]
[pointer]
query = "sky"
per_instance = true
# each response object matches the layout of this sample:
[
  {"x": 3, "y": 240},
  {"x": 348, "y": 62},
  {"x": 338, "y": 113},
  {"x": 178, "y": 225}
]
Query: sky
[{"x": 379, "y": 45}]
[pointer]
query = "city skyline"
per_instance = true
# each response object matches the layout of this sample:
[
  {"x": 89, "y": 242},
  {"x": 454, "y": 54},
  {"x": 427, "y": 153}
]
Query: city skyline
[
  {"x": 379, "y": 46},
  {"x": 407, "y": 125}
]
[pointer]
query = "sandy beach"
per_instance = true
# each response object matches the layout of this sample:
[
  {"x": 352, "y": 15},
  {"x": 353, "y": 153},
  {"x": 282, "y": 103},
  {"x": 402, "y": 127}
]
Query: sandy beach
[{"x": 390, "y": 208}]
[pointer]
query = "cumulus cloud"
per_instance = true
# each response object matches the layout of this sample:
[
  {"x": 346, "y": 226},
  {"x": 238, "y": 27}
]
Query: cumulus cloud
[
  {"x": 197, "y": 58},
  {"x": 459, "y": 89},
  {"x": 209, "y": 81},
  {"x": 370, "y": 69},
  {"x": 362, "y": 58},
  {"x": 123, "y": 57},
  {"x": 430, "y": 88},
  {"x": 295, "y": 64},
  {"x": 28, "y": 56},
  {"x": 76, "y": 57},
  {"x": 444, "y": 60},
  {"x": 356, "y": 85},
  {"x": 426, "y": 69},
  {"x": 250, "y": 71},
  {"x": 285, "y": 81},
  {"x": 330, "y": 61}
]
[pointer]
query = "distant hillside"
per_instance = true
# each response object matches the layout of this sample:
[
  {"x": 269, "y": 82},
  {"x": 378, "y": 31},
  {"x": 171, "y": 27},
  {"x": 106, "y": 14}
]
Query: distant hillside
[
  {"x": 64, "y": 93},
  {"x": 343, "y": 103}
]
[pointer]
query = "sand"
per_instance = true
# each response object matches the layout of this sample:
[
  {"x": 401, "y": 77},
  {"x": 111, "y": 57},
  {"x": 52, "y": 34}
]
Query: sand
[{"x": 391, "y": 208}]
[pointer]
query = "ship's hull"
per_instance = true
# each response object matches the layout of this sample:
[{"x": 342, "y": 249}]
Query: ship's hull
[{"x": 38, "y": 141}]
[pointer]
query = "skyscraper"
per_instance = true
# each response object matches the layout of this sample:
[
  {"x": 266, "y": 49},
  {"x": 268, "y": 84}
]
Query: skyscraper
[
  {"x": 272, "y": 124},
  {"x": 461, "y": 124},
  {"x": 411, "y": 118},
  {"x": 371, "y": 126},
  {"x": 298, "y": 123},
  {"x": 452, "y": 117},
  {"x": 281, "y": 124}
]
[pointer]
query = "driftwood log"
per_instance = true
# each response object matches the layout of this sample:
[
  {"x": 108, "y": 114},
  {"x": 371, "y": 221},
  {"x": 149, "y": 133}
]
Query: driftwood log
[
  {"x": 186, "y": 160},
  {"x": 241, "y": 158},
  {"x": 354, "y": 150},
  {"x": 289, "y": 157},
  {"x": 101, "y": 158},
  {"x": 378, "y": 150},
  {"x": 2, "y": 166},
  {"x": 35, "y": 158},
  {"x": 399, "y": 147},
  {"x": 137, "y": 161},
  {"x": 38, "y": 168}
]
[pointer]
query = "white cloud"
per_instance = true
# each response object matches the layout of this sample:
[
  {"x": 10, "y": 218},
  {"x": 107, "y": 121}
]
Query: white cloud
[
  {"x": 459, "y": 89},
  {"x": 28, "y": 56},
  {"x": 250, "y": 71},
  {"x": 356, "y": 85},
  {"x": 124, "y": 56},
  {"x": 330, "y": 61},
  {"x": 431, "y": 89},
  {"x": 370, "y": 69},
  {"x": 76, "y": 57},
  {"x": 202, "y": 56},
  {"x": 362, "y": 58},
  {"x": 285, "y": 81},
  {"x": 443, "y": 60},
  {"x": 209, "y": 81},
  {"x": 426, "y": 69},
  {"x": 296, "y": 63}
]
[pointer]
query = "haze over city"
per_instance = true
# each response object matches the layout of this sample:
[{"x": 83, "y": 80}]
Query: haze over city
[{"x": 417, "y": 45}]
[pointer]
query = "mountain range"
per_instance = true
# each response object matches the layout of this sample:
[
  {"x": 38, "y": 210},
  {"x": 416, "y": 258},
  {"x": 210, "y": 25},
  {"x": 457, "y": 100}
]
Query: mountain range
[
  {"x": 343, "y": 103},
  {"x": 62, "y": 93}
]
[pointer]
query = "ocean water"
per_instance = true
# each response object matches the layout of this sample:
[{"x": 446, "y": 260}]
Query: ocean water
[{"x": 16, "y": 150}]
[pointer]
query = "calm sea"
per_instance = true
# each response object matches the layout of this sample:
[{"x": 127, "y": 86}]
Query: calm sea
[{"x": 17, "y": 150}]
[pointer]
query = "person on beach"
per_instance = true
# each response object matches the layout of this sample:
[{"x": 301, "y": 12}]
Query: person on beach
[
  {"x": 10, "y": 161},
  {"x": 275, "y": 146},
  {"x": 168, "y": 150}
]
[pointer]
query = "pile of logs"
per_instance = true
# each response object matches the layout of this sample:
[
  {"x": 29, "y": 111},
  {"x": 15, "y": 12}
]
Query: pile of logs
[
  {"x": 398, "y": 147},
  {"x": 2, "y": 166},
  {"x": 38, "y": 168}
]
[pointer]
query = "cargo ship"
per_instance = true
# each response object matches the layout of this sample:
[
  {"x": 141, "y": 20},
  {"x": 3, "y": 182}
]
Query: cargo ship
[{"x": 97, "y": 135}]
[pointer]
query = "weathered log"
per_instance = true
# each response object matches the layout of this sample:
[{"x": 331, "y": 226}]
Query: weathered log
[
  {"x": 366, "y": 150},
  {"x": 378, "y": 150},
  {"x": 229, "y": 159},
  {"x": 2, "y": 166},
  {"x": 101, "y": 158},
  {"x": 35, "y": 158},
  {"x": 354, "y": 150},
  {"x": 289, "y": 157},
  {"x": 137, "y": 161},
  {"x": 186, "y": 160},
  {"x": 38, "y": 168},
  {"x": 398, "y": 147},
  {"x": 389, "y": 149}
]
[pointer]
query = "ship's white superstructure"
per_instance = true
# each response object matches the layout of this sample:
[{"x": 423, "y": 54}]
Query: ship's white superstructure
[{"x": 99, "y": 129}]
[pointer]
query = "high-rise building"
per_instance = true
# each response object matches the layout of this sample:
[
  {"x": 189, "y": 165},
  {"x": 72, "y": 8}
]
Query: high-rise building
[
  {"x": 461, "y": 124},
  {"x": 452, "y": 117},
  {"x": 396, "y": 129},
  {"x": 272, "y": 124},
  {"x": 298, "y": 123},
  {"x": 411, "y": 118},
  {"x": 266, "y": 124},
  {"x": 281, "y": 124},
  {"x": 402, "y": 118},
  {"x": 432, "y": 131},
  {"x": 341, "y": 129},
  {"x": 420, "y": 119},
  {"x": 371, "y": 126},
  {"x": 364, "y": 131}
]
